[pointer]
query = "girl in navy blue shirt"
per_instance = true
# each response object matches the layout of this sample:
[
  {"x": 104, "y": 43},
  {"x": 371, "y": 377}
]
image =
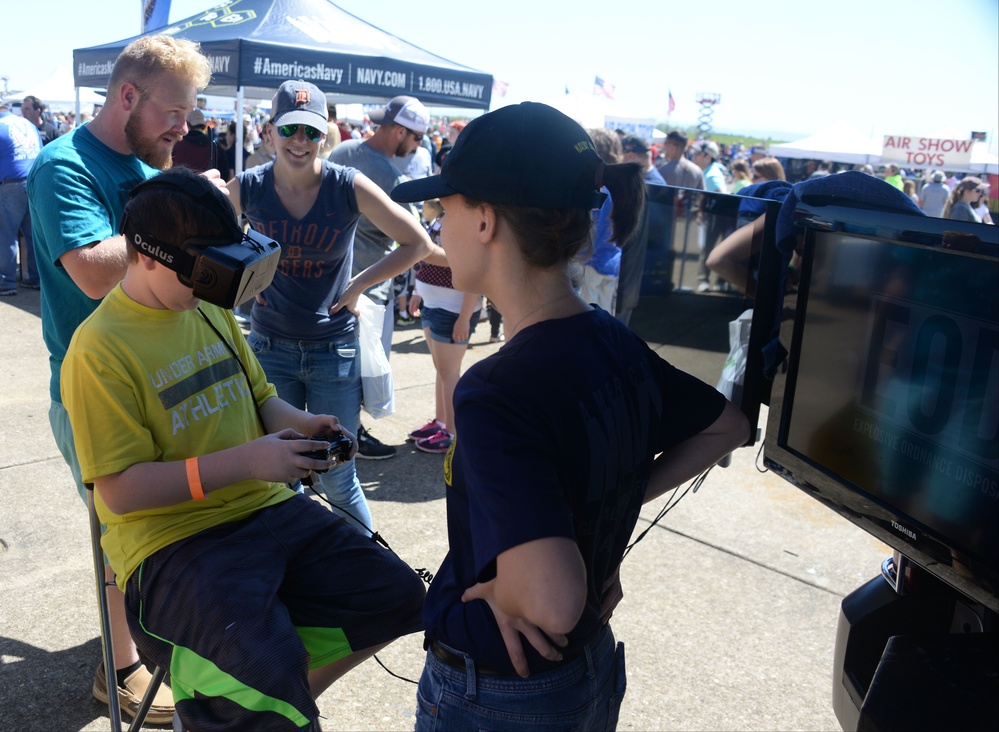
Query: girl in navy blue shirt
[{"x": 557, "y": 437}]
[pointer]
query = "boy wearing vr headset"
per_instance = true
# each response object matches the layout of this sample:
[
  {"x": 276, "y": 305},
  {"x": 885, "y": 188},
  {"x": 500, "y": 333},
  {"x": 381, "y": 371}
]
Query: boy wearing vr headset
[
  {"x": 255, "y": 597},
  {"x": 76, "y": 192}
]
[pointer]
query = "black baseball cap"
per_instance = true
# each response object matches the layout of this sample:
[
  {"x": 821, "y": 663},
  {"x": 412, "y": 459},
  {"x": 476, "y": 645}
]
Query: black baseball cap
[
  {"x": 526, "y": 154},
  {"x": 634, "y": 144}
]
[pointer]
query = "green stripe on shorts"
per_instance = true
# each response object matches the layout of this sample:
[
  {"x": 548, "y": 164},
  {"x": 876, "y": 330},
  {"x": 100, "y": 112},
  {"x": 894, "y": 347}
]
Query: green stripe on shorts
[
  {"x": 325, "y": 645},
  {"x": 189, "y": 672}
]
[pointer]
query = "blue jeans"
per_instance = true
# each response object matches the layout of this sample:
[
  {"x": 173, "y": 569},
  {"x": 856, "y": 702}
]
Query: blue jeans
[
  {"x": 582, "y": 694},
  {"x": 13, "y": 218},
  {"x": 324, "y": 378}
]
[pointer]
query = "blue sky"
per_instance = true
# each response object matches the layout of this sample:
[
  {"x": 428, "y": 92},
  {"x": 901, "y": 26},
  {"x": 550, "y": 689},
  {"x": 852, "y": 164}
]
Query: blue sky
[{"x": 782, "y": 68}]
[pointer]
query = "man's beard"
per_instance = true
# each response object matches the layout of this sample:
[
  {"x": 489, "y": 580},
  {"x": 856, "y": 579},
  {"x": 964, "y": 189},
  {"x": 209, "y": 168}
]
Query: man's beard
[
  {"x": 145, "y": 149},
  {"x": 401, "y": 152}
]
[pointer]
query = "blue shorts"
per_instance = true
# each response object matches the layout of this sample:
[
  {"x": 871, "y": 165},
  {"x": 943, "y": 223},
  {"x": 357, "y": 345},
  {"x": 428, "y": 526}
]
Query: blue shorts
[
  {"x": 440, "y": 323},
  {"x": 62, "y": 431},
  {"x": 240, "y": 612}
]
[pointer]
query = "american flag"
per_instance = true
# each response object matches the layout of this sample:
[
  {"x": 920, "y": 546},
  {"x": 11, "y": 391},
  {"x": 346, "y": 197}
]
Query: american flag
[
  {"x": 500, "y": 87},
  {"x": 602, "y": 86},
  {"x": 672, "y": 103}
]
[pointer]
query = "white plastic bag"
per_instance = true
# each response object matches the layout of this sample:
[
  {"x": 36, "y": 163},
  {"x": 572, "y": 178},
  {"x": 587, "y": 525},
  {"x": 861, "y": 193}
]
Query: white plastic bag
[
  {"x": 733, "y": 373},
  {"x": 376, "y": 373}
]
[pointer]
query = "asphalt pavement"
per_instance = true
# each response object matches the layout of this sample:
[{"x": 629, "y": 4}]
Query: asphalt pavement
[{"x": 728, "y": 618}]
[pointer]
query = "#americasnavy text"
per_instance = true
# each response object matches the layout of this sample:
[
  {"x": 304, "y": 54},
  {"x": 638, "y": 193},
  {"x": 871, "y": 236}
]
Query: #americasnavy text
[{"x": 153, "y": 251}]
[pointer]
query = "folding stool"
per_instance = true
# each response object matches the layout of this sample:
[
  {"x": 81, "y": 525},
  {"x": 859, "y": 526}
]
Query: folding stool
[{"x": 114, "y": 709}]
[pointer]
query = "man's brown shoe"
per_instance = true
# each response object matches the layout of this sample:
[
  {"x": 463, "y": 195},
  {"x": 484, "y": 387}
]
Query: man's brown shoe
[{"x": 130, "y": 696}]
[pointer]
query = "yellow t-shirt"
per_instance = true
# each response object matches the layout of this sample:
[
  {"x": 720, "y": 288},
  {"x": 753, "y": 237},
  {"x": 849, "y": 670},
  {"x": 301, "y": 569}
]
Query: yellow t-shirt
[{"x": 145, "y": 385}]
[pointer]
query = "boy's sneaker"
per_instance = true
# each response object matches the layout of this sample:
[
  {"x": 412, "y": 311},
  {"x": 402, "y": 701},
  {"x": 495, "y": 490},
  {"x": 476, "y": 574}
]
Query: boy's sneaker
[
  {"x": 368, "y": 448},
  {"x": 439, "y": 443},
  {"x": 430, "y": 429},
  {"x": 130, "y": 695}
]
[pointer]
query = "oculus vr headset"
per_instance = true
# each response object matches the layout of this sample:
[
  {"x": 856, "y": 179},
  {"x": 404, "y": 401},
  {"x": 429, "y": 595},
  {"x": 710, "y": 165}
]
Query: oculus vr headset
[{"x": 225, "y": 271}]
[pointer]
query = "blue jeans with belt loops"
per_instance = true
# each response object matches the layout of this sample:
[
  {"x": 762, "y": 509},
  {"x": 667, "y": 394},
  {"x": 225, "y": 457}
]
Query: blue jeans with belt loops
[
  {"x": 324, "y": 378},
  {"x": 582, "y": 694}
]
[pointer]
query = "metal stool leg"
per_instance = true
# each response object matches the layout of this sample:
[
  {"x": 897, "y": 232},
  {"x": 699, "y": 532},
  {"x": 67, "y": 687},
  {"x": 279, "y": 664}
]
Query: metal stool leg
[
  {"x": 114, "y": 707},
  {"x": 147, "y": 700}
]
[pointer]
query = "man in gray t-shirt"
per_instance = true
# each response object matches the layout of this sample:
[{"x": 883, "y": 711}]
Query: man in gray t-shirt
[
  {"x": 675, "y": 168},
  {"x": 402, "y": 123},
  {"x": 933, "y": 197}
]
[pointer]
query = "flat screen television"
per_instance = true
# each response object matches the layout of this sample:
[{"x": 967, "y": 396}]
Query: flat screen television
[
  {"x": 661, "y": 271},
  {"x": 886, "y": 409}
]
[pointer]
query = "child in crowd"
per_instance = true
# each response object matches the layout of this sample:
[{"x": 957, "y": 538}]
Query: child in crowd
[
  {"x": 256, "y": 598},
  {"x": 449, "y": 318}
]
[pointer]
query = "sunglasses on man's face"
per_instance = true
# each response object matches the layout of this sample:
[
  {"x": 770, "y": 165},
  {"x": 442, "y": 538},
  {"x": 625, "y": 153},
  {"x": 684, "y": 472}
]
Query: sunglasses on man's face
[{"x": 311, "y": 133}]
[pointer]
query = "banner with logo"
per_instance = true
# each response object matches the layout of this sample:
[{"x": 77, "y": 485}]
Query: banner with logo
[{"x": 258, "y": 44}]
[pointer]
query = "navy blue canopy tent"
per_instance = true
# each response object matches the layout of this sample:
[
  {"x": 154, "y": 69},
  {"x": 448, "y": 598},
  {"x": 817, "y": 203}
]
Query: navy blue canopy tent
[{"x": 255, "y": 45}]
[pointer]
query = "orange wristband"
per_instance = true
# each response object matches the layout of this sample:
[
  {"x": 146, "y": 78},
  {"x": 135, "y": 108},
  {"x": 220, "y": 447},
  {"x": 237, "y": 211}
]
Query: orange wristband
[{"x": 194, "y": 479}]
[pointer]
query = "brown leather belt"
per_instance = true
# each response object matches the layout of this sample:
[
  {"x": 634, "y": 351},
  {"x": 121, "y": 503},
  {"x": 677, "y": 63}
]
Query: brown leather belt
[{"x": 12, "y": 180}]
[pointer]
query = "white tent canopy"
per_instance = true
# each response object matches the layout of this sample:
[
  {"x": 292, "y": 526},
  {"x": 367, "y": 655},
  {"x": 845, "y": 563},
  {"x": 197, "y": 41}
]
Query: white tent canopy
[
  {"x": 839, "y": 144},
  {"x": 843, "y": 144},
  {"x": 59, "y": 90},
  {"x": 983, "y": 160}
]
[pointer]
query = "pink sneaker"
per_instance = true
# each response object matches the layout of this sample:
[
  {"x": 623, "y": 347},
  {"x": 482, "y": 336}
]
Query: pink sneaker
[
  {"x": 439, "y": 443},
  {"x": 430, "y": 429}
]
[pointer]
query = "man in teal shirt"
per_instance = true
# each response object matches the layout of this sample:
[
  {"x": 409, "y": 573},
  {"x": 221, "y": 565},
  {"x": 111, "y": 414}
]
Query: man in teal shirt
[{"x": 77, "y": 191}]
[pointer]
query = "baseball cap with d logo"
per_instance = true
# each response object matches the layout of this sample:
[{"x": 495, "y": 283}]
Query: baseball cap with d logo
[{"x": 299, "y": 102}]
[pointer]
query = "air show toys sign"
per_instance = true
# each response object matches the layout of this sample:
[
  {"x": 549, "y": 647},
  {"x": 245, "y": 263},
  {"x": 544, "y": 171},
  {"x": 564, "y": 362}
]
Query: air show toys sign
[{"x": 927, "y": 152}]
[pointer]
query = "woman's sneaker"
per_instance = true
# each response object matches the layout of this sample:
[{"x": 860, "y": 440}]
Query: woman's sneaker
[
  {"x": 439, "y": 443},
  {"x": 430, "y": 429},
  {"x": 369, "y": 448}
]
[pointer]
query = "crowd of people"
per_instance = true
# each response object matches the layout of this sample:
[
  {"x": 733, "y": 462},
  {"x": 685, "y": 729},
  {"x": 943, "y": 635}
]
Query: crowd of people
[
  {"x": 729, "y": 168},
  {"x": 199, "y": 440}
]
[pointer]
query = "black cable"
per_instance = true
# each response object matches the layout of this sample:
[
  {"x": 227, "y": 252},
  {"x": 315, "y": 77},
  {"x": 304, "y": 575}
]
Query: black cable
[
  {"x": 308, "y": 481},
  {"x": 669, "y": 506},
  {"x": 393, "y": 673},
  {"x": 756, "y": 462},
  {"x": 422, "y": 572}
]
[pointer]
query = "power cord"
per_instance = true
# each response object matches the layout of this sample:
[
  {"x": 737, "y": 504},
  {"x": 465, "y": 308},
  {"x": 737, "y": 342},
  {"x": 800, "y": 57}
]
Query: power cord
[
  {"x": 759, "y": 454},
  {"x": 670, "y": 504},
  {"x": 422, "y": 572},
  {"x": 309, "y": 481}
]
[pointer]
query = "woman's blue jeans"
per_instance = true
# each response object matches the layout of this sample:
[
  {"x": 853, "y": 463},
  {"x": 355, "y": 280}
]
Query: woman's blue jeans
[
  {"x": 582, "y": 694},
  {"x": 324, "y": 378}
]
